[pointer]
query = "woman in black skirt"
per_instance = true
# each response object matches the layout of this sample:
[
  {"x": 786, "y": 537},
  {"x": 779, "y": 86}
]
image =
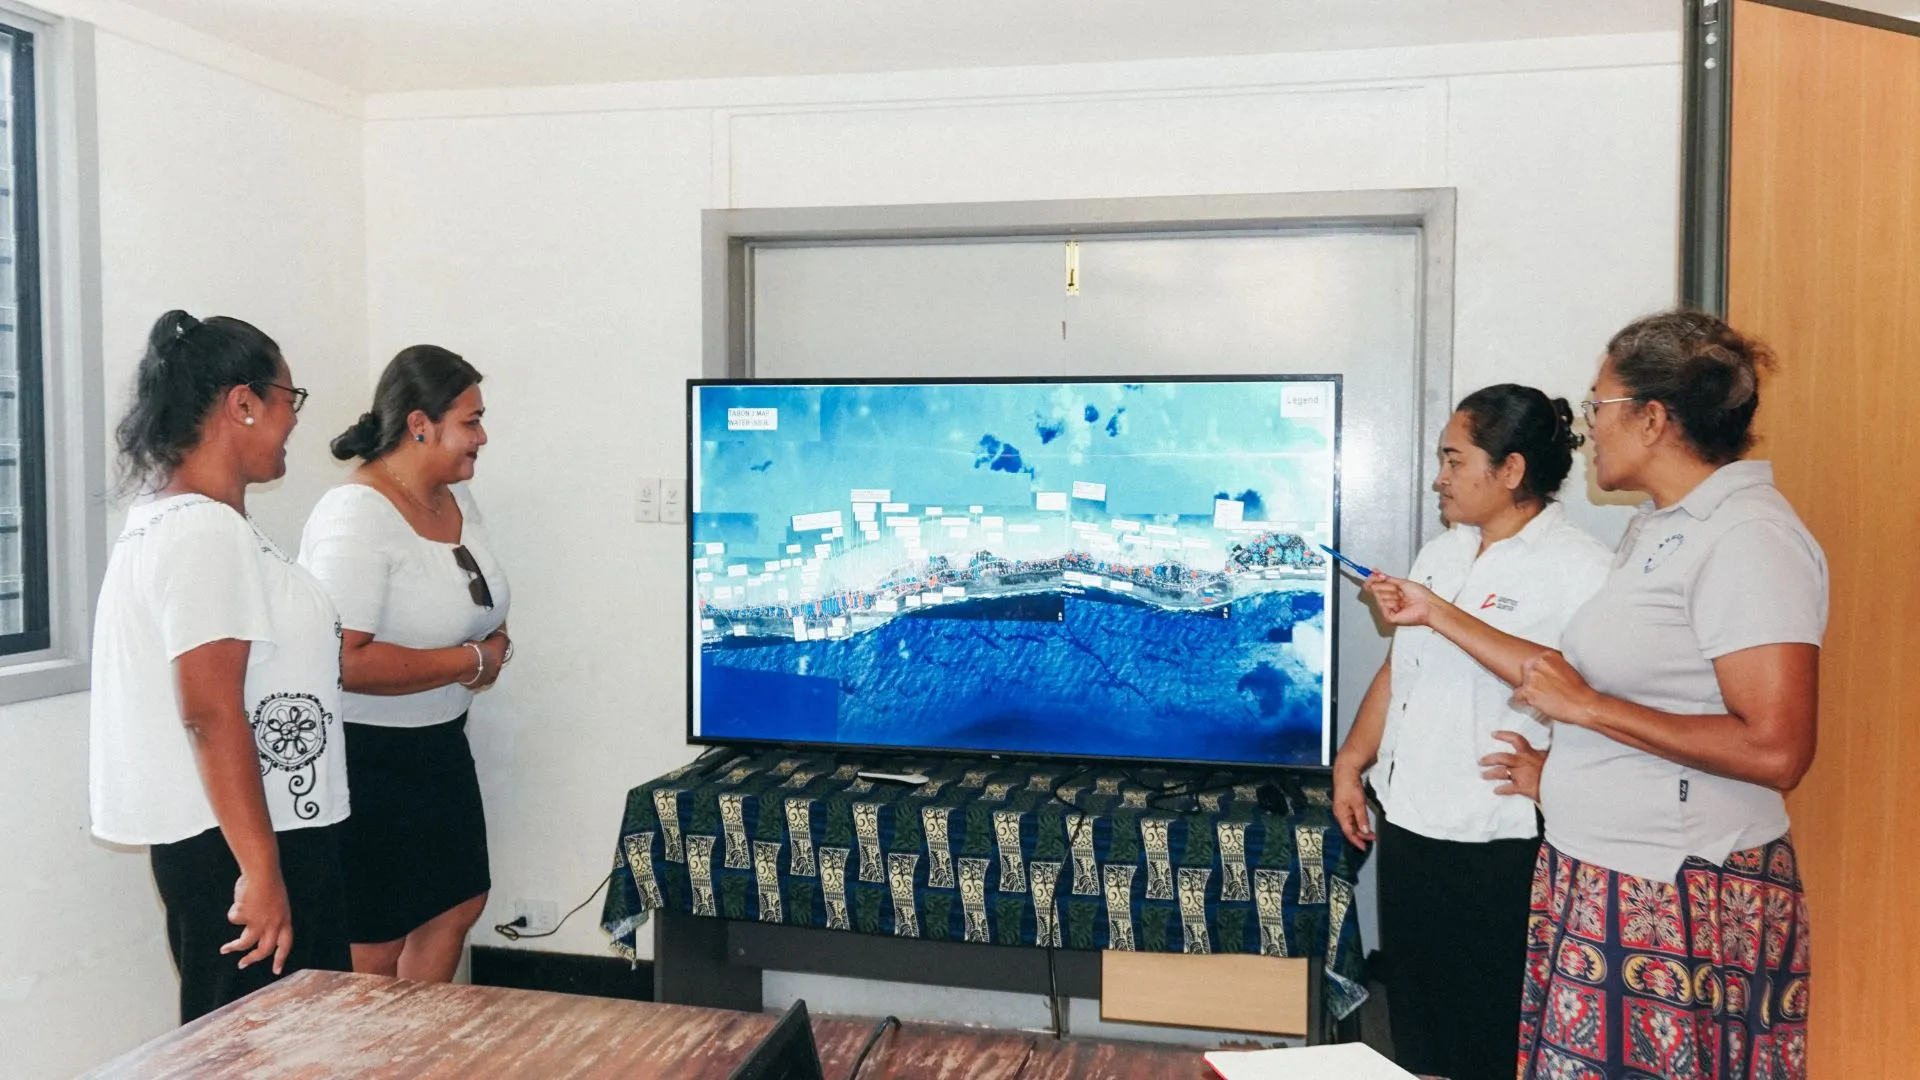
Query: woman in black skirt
[
  {"x": 216, "y": 675},
  {"x": 403, "y": 551}
]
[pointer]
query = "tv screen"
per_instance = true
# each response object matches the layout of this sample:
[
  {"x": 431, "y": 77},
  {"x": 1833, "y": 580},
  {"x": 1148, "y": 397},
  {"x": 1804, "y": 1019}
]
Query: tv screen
[{"x": 1073, "y": 568}]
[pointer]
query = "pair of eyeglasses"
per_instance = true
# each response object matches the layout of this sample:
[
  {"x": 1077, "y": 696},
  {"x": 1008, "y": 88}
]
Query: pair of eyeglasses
[
  {"x": 1590, "y": 408},
  {"x": 299, "y": 393},
  {"x": 477, "y": 588}
]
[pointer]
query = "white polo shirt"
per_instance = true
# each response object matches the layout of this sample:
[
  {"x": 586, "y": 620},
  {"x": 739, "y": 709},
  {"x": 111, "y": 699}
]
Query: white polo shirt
[
  {"x": 1445, "y": 706},
  {"x": 1729, "y": 567}
]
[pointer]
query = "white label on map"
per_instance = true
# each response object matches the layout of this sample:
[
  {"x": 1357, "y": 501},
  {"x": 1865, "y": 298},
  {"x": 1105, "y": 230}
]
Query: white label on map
[
  {"x": 1092, "y": 492},
  {"x": 820, "y": 522},
  {"x": 1303, "y": 401},
  {"x": 716, "y": 549},
  {"x": 893, "y": 508},
  {"x": 753, "y": 419},
  {"x": 1049, "y": 500},
  {"x": 737, "y": 570},
  {"x": 1228, "y": 513},
  {"x": 886, "y": 606},
  {"x": 870, "y": 495},
  {"x": 799, "y": 629},
  {"x": 1125, "y": 526}
]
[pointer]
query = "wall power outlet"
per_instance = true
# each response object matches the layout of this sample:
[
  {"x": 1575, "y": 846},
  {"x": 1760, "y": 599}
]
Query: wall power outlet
[{"x": 541, "y": 915}]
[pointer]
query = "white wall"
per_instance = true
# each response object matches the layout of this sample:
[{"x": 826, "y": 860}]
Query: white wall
[
  {"x": 552, "y": 236},
  {"x": 223, "y": 197}
]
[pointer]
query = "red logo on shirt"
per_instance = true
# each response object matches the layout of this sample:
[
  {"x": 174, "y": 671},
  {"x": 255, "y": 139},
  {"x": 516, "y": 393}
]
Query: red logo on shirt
[{"x": 1495, "y": 600}]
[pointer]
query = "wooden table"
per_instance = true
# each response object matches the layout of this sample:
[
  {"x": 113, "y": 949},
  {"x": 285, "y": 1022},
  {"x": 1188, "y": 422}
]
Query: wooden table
[{"x": 317, "y": 1024}]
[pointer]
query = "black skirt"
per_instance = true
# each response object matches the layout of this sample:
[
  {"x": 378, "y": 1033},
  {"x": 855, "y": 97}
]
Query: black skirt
[
  {"x": 195, "y": 878},
  {"x": 416, "y": 842}
]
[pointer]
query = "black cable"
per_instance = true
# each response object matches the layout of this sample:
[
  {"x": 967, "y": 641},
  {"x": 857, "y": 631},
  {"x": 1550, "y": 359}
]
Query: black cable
[
  {"x": 514, "y": 933},
  {"x": 879, "y": 1029}
]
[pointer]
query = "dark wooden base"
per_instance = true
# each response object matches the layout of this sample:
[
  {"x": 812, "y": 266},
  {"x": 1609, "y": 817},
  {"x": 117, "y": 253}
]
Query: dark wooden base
[
  {"x": 561, "y": 973},
  {"x": 717, "y": 963}
]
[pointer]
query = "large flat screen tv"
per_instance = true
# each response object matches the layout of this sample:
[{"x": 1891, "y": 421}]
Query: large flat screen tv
[{"x": 1089, "y": 569}]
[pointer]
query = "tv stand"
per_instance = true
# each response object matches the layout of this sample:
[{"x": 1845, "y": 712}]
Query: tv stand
[{"x": 786, "y": 860}]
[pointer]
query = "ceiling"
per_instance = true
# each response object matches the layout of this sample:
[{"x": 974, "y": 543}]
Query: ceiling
[{"x": 378, "y": 46}]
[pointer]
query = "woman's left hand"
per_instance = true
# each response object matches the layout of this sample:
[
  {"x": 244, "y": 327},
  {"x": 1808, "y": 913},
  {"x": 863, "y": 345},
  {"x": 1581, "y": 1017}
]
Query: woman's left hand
[
  {"x": 1548, "y": 683},
  {"x": 495, "y": 646},
  {"x": 1517, "y": 771}
]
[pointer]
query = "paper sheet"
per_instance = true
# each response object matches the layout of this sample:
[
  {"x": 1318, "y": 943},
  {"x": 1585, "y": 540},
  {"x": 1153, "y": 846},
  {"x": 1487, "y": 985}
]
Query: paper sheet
[{"x": 1343, "y": 1061}]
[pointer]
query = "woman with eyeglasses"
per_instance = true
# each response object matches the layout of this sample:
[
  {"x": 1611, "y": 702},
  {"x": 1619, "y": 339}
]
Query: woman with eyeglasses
[
  {"x": 1669, "y": 935},
  {"x": 404, "y": 552},
  {"x": 215, "y": 720}
]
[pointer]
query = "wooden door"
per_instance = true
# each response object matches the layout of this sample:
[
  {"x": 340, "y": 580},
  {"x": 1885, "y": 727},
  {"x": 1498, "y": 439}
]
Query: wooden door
[{"x": 1823, "y": 261}]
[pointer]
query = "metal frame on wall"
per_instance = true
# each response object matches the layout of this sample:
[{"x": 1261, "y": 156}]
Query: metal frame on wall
[{"x": 1709, "y": 130}]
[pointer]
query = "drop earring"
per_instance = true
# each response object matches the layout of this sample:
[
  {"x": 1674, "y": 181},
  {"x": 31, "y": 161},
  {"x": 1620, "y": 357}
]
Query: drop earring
[{"x": 417, "y": 437}]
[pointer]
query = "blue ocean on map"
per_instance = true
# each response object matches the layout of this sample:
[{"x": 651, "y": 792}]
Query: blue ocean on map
[{"x": 1088, "y": 569}]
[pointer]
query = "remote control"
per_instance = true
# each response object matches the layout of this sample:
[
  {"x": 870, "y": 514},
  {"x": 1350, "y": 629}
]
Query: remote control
[{"x": 913, "y": 778}]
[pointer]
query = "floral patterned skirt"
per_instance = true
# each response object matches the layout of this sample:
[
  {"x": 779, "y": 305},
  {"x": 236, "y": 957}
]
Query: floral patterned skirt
[{"x": 1702, "y": 978}]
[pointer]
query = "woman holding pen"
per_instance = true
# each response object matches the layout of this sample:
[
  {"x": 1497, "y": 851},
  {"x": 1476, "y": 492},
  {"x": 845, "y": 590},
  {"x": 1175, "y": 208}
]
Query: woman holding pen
[
  {"x": 1457, "y": 852},
  {"x": 1669, "y": 931}
]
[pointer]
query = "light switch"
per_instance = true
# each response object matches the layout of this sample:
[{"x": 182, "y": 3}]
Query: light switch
[
  {"x": 646, "y": 500},
  {"x": 673, "y": 502}
]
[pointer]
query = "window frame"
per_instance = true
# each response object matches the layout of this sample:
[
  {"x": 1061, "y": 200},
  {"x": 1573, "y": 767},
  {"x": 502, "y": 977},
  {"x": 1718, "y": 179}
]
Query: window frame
[
  {"x": 71, "y": 476},
  {"x": 30, "y": 400}
]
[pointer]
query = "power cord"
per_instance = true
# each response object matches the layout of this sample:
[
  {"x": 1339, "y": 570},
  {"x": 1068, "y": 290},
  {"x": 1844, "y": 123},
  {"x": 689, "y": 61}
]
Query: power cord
[
  {"x": 513, "y": 931},
  {"x": 879, "y": 1029}
]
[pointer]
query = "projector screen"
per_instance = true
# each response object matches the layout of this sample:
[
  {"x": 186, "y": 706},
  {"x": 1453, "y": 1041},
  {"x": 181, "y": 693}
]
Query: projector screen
[{"x": 1090, "y": 569}]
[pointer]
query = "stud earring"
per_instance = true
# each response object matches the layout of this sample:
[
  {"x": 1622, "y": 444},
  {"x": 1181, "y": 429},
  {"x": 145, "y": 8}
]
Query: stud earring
[
  {"x": 417, "y": 437},
  {"x": 249, "y": 421}
]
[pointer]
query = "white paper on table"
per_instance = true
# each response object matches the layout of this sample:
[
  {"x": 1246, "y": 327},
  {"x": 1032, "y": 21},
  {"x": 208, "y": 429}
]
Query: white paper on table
[{"x": 1341, "y": 1061}]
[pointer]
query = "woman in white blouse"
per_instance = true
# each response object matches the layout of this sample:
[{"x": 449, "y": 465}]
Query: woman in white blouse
[
  {"x": 1457, "y": 851},
  {"x": 216, "y": 663},
  {"x": 403, "y": 551}
]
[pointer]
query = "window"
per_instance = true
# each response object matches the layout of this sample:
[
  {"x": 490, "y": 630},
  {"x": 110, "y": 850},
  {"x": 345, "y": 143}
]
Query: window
[
  {"x": 53, "y": 470},
  {"x": 24, "y": 573}
]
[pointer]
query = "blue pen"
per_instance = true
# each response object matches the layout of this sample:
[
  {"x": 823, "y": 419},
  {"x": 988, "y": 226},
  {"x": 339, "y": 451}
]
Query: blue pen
[{"x": 1350, "y": 564}]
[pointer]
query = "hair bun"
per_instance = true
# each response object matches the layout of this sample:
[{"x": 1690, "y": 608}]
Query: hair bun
[
  {"x": 1564, "y": 435},
  {"x": 360, "y": 440},
  {"x": 168, "y": 331}
]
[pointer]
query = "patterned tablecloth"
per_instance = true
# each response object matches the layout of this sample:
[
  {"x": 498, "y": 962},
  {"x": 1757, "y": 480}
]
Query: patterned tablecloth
[{"x": 1005, "y": 852}]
